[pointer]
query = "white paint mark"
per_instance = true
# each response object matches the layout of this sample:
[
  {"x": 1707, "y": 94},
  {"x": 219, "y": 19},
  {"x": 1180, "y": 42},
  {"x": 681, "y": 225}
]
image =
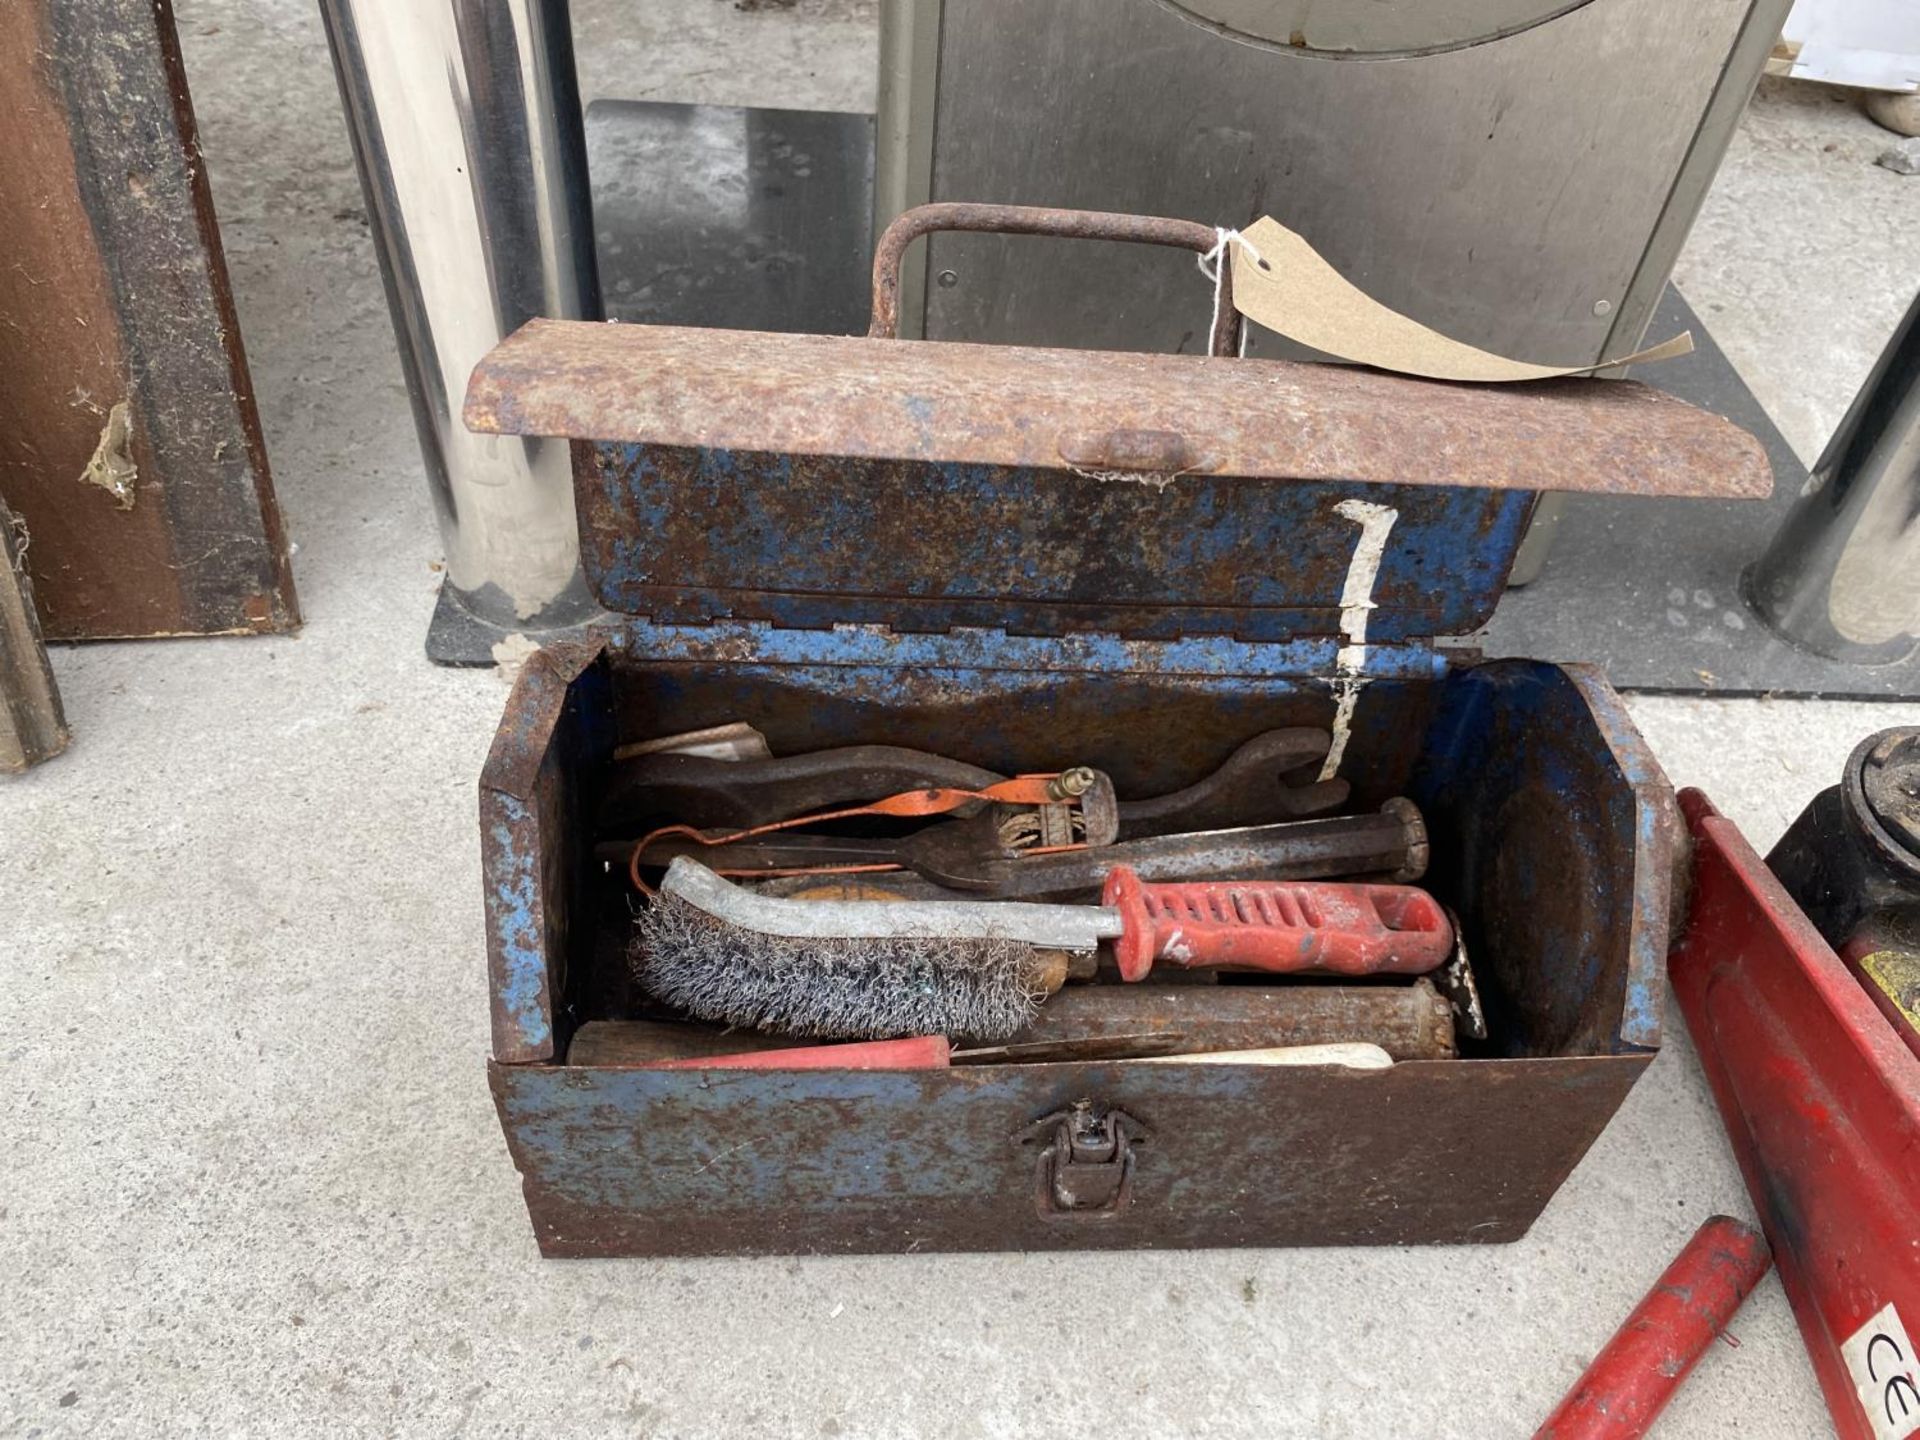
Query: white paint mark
[
  {"x": 1152, "y": 479},
  {"x": 1355, "y": 1054},
  {"x": 512, "y": 652},
  {"x": 730, "y": 1150},
  {"x": 1356, "y": 602}
]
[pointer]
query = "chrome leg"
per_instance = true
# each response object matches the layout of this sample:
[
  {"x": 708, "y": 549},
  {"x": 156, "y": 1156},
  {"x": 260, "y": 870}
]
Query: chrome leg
[
  {"x": 1842, "y": 575},
  {"x": 465, "y": 117}
]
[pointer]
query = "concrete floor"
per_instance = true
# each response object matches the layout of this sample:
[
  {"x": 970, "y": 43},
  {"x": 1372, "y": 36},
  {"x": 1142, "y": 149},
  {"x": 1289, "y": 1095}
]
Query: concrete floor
[{"x": 254, "y": 1181}]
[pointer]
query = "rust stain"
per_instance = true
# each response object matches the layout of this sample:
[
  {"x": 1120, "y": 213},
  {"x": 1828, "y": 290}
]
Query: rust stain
[{"x": 1429, "y": 1152}]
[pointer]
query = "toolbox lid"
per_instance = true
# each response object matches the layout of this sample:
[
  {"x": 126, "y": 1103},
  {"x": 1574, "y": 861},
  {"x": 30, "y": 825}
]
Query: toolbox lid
[
  {"x": 1150, "y": 416},
  {"x": 809, "y": 481}
]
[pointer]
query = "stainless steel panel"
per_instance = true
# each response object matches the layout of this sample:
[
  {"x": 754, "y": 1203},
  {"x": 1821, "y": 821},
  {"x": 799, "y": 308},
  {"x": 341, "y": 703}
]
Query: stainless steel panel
[{"x": 1504, "y": 193}]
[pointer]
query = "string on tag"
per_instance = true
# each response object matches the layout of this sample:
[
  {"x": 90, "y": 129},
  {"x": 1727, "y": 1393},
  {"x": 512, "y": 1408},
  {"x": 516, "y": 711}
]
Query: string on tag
[{"x": 1210, "y": 266}]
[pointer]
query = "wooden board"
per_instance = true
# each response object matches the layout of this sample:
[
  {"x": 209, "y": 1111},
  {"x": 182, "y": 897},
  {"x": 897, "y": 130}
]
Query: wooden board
[
  {"x": 32, "y": 726},
  {"x": 129, "y": 443}
]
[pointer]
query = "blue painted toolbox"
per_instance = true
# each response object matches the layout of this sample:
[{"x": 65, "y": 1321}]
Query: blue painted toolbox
[{"x": 1020, "y": 558}]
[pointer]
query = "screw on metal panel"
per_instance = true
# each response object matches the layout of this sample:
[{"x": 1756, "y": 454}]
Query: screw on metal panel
[
  {"x": 948, "y": 279},
  {"x": 1603, "y": 307}
]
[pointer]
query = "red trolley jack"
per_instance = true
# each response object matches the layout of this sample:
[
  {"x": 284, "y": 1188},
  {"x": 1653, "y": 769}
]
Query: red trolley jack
[{"x": 1821, "y": 1099}]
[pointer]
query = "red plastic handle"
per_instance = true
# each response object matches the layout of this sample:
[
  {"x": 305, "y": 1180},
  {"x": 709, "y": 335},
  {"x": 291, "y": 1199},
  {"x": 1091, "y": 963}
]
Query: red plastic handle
[{"x": 1277, "y": 926}]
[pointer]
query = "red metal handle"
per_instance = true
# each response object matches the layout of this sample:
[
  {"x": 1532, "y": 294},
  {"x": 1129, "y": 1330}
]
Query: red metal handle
[
  {"x": 1277, "y": 926},
  {"x": 1630, "y": 1382}
]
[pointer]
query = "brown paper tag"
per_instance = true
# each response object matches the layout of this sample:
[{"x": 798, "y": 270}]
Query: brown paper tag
[{"x": 1293, "y": 291}]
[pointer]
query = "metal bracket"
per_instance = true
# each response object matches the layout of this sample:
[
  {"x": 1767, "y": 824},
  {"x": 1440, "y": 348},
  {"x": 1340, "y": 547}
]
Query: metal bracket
[{"x": 1084, "y": 1170}]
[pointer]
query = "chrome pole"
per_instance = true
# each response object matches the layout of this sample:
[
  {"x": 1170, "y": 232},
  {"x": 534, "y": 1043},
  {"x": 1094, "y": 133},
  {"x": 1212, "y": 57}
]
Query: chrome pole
[
  {"x": 1842, "y": 575},
  {"x": 465, "y": 118}
]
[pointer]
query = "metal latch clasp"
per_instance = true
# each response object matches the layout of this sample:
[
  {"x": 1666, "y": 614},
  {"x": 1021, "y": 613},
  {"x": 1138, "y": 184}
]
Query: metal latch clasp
[{"x": 1084, "y": 1169}]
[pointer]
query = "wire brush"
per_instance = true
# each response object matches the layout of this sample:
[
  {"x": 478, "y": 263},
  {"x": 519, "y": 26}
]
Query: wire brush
[{"x": 877, "y": 969}]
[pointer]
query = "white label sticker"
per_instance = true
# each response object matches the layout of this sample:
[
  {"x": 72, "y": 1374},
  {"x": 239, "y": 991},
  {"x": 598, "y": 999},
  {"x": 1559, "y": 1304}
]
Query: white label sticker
[{"x": 1886, "y": 1373}]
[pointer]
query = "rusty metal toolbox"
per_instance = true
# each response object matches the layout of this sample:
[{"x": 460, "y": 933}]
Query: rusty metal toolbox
[{"x": 1014, "y": 555}]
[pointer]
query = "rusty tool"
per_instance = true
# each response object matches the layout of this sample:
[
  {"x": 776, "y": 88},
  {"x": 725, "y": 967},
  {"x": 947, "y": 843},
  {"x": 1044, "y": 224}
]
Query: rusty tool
[
  {"x": 1390, "y": 844},
  {"x": 1137, "y": 1045},
  {"x": 966, "y": 855},
  {"x": 734, "y": 741},
  {"x": 959, "y": 854},
  {"x": 706, "y": 791},
  {"x": 637, "y": 1044},
  {"x": 1071, "y": 810},
  {"x": 933, "y": 1052},
  {"x": 1630, "y": 1382},
  {"x": 1409, "y": 1021},
  {"x": 1262, "y": 781},
  {"x": 874, "y": 969}
]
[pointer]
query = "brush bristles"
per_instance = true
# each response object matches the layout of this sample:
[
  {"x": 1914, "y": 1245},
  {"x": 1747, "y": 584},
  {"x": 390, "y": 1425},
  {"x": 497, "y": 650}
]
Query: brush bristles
[{"x": 834, "y": 989}]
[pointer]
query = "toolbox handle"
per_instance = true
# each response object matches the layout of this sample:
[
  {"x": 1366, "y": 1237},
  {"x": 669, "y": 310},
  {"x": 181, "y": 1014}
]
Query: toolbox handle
[{"x": 1041, "y": 220}]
